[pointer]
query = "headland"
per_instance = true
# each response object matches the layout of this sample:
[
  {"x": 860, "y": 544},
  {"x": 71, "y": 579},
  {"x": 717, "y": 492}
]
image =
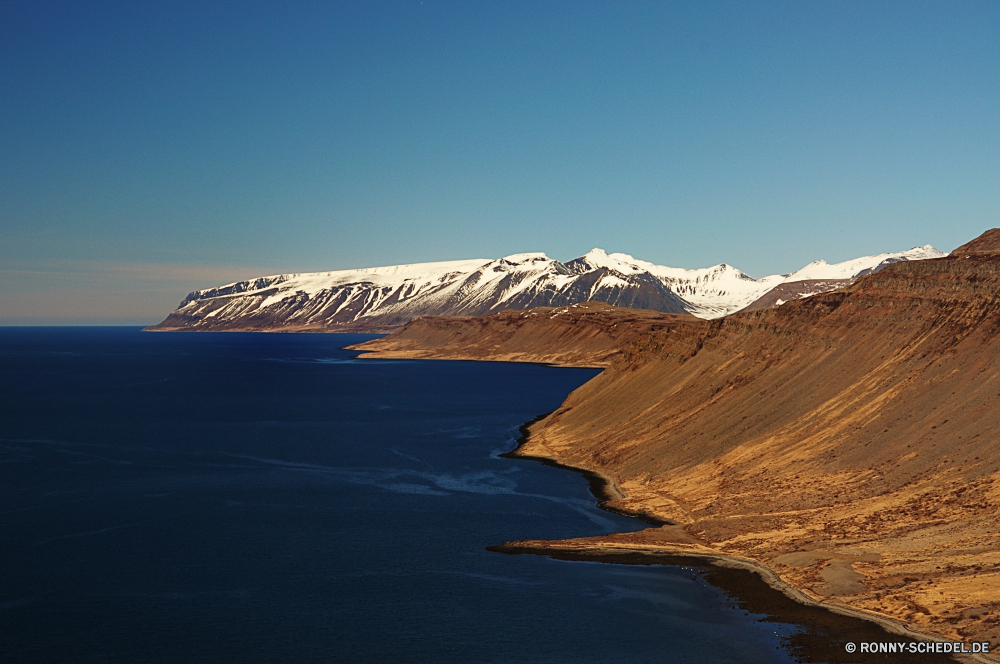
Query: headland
[{"x": 845, "y": 444}]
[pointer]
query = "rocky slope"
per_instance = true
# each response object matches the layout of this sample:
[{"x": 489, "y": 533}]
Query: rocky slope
[
  {"x": 382, "y": 299},
  {"x": 588, "y": 334},
  {"x": 796, "y": 290},
  {"x": 849, "y": 441}
]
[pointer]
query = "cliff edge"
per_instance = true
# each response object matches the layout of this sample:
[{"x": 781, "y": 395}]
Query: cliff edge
[{"x": 848, "y": 441}]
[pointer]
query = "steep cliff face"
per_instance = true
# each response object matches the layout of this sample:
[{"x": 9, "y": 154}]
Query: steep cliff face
[{"x": 850, "y": 441}]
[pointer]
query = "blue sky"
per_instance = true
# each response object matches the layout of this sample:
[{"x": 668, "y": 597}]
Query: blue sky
[{"x": 149, "y": 149}]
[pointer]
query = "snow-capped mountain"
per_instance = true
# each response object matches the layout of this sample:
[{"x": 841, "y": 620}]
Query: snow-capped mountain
[
  {"x": 385, "y": 297},
  {"x": 720, "y": 290}
]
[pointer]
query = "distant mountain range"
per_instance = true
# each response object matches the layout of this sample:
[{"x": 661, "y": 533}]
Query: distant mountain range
[{"x": 383, "y": 298}]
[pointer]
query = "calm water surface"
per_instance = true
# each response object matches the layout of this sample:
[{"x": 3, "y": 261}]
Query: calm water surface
[{"x": 269, "y": 498}]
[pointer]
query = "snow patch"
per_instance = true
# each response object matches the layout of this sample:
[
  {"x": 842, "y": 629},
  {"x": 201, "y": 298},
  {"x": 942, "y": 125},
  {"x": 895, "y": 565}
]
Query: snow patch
[{"x": 412, "y": 290}]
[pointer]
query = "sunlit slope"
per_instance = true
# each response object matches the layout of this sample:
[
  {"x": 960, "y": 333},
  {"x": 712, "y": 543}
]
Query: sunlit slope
[
  {"x": 849, "y": 441},
  {"x": 861, "y": 426}
]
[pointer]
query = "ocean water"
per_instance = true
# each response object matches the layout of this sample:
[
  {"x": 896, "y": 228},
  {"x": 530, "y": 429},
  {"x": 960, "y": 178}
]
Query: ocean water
[{"x": 270, "y": 498}]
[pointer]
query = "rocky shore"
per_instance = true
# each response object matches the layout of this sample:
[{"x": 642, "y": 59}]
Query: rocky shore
[{"x": 847, "y": 443}]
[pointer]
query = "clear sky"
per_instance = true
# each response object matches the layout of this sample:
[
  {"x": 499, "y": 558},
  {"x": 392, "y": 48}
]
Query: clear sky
[{"x": 151, "y": 148}]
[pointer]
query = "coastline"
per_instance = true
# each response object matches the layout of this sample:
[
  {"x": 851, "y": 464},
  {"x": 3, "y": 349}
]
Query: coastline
[
  {"x": 459, "y": 357},
  {"x": 510, "y": 358},
  {"x": 665, "y": 555},
  {"x": 844, "y": 488},
  {"x": 600, "y": 549},
  {"x": 602, "y": 487}
]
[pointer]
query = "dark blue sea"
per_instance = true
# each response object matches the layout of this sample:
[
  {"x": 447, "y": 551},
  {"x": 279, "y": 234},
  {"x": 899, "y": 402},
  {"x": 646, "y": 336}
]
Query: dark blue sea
[{"x": 199, "y": 497}]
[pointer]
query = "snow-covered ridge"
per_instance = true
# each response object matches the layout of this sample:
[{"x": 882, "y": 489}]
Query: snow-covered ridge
[
  {"x": 392, "y": 295},
  {"x": 860, "y": 266},
  {"x": 722, "y": 289}
]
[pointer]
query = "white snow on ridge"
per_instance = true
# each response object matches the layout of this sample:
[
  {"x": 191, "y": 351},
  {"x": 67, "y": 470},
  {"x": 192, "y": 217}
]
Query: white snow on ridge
[
  {"x": 477, "y": 285},
  {"x": 849, "y": 269},
  {"x": 722, "y": 289},
  {"x": 526, "y": 258},
  {"x": 711, "y": 292},
  {"x": 311, "y": 282}
]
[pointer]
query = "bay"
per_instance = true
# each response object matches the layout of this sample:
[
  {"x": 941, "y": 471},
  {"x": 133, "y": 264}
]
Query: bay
[{"x": 242, "y": 497}]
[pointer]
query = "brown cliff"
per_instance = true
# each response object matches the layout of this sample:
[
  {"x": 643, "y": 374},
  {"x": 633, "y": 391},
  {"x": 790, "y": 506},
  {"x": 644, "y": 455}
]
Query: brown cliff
[
  {"x": 587, "y": 334},
  {"x": 849, "y": 441}
]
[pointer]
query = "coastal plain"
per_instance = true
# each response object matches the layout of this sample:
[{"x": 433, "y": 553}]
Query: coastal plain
[{"x": 846, "y": 443}]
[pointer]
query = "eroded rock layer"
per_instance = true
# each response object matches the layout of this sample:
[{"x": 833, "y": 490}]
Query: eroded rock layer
[{"x": 848, "y": 441}]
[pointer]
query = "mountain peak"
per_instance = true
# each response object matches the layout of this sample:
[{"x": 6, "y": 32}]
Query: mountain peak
[
  {"x": 598, "y": 256},
  {"x": 530, "y": 257}
]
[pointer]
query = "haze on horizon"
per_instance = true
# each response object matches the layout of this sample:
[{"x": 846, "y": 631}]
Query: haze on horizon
[{"x": 156, "y": 148}]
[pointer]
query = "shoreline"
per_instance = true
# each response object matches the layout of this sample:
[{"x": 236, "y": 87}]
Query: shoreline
[
  {"x": 665, "y": 555},
  {"x": 602, "y": 487},
  {"x": 417, "y": 355},
  {"x": 604, "y": 490}
]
